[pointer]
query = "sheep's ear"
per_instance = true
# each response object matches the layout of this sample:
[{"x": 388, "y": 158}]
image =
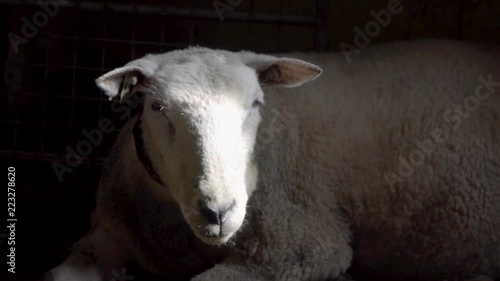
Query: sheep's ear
[
  {"x": 283, "y": 72},
  {"x": 126, "y": 79}
]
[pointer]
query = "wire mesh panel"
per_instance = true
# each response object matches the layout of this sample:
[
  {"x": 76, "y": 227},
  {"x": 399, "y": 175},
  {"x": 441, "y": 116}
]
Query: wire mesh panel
[{"x": 55, "y": 51}]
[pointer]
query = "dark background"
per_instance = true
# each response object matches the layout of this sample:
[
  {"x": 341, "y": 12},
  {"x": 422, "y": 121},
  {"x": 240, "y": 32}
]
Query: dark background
[{"x": 48, "y": 95}]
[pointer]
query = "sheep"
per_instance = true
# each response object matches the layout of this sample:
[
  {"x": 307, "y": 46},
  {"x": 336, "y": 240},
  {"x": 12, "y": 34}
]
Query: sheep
[{"x": 268, "y": 170}]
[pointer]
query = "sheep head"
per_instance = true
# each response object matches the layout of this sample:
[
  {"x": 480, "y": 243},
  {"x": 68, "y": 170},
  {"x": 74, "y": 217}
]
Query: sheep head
[{"x": 200, "y": 120}]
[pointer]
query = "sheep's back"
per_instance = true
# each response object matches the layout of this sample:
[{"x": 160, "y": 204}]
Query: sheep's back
[{"x": 357, "y": 137}]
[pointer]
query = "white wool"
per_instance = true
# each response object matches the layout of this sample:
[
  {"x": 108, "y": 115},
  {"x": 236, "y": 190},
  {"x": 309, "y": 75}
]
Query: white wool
[{"x": 330, "y": 188}]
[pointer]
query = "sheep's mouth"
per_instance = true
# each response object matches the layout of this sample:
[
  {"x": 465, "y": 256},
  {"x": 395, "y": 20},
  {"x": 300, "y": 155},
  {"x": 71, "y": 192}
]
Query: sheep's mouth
[
  {"x": 214, "y": 240},
  {"x": 210, "y": 234}
]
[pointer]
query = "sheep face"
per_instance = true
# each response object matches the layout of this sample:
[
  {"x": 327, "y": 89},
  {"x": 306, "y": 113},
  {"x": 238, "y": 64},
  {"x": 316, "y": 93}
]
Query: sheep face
[
  {"x": 201, "y": 115},
  {"x": 202, "y": 122}
]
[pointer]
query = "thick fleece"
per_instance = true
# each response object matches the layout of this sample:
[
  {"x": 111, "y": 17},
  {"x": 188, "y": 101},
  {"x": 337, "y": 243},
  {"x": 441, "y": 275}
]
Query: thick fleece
[
  {"x": 337, "y": 183},
  {"x": 390, "y": 163}
]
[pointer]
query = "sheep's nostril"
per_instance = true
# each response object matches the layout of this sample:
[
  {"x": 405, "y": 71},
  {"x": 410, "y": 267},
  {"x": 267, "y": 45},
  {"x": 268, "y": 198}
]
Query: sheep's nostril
[
  {"x": 210, "y": 215},
  {"x": 214, "y": 216}
]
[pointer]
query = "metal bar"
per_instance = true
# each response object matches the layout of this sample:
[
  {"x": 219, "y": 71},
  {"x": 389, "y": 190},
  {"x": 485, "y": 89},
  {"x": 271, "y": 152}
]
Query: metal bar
[
  {"x": 280, "y": 31},
  {"x": 103, "y": 60},
  {"x": 191, "y": 33},
  {"x": 170, "y": 11},
  {"x": 73, "y": 88},
  {"x": 44, "y": 107},
  {"x": 460, "y": 19},
  {"x": 252, "y": 9},
  {"x": 132, "y": 46},
  {"x": 132, "y": 53},
  {"x": 48, "y": 125},
  {"x": 107, "y": 40},
  {"x": 150, "y": 43},
  {"x": 53, "y": 97},
  {"x": 321, "y": 27},
  {"x": 68, "y": 67},
  {"x": 319, "y": 22},
  {"x": 48, "y": 157},
  {"x": 162, "y": 36}
]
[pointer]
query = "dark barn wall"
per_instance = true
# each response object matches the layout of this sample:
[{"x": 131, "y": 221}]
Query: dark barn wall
[{"x": 48, "y": 96}]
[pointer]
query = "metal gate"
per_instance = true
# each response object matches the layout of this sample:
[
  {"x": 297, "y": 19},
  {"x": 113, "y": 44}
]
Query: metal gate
[{"x": 56, "y": 49}]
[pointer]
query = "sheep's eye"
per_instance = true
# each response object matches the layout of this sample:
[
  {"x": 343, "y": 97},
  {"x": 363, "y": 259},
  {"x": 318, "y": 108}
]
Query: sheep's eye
[
  {"x": 156, "y": 106},
  {"x": 257, "y": 103}
]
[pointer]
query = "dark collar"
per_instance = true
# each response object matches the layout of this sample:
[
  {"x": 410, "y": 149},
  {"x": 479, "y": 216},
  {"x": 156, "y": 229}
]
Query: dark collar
[{"x": 141, "y": 151}]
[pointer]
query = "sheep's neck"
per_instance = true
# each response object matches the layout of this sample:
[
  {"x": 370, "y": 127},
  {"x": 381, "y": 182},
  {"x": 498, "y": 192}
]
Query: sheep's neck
[{"x": 141, "y": 151}]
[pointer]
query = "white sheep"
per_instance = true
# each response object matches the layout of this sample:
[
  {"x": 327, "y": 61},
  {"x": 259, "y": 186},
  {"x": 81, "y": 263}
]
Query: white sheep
[{"x": 390, "y": 163}]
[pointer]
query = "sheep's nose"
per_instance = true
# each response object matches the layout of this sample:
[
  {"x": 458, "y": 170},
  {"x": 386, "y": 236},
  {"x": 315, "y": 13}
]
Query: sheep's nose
[{"x": 215, "y": 216}]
